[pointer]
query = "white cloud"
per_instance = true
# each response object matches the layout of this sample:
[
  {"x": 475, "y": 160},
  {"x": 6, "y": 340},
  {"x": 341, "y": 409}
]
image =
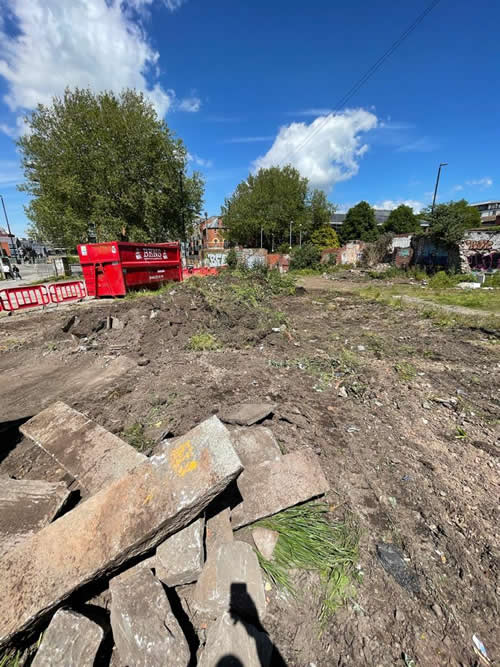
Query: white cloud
[
  {"x": 326, "y": 151},
  {"x": 391, "y": 204},
  {"x": 247, "y": 140},
  {"x": 10, "y": 174},
  {"x": 199, "y": 161},
  {"x": 191, "y": 104},
  {"x": 310, "y": 112},
  {"x": 422, "y": 145},
  {"x": 481, "y": 182},
  {"x": 457, "y": 188},
  {"x": 96, "y": 43}
]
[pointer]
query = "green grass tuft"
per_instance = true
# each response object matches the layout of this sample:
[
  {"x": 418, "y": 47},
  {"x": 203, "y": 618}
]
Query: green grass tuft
[
  {"x": 309, "y": 541},
  {"x": 405, "y": 370},
  {"x": 135, "y": 437},
  {"x": 203, "y": 341}
]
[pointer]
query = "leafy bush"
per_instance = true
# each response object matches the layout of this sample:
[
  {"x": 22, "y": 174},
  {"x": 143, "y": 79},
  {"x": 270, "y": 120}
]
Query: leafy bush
[
  {"x": 232, "y": 258},
  {"x": 493, "y": 280},
  {"x": 283, "y": 249},
  {"x": 441, "y": 279},
  {"x": 305, "y": 257}
]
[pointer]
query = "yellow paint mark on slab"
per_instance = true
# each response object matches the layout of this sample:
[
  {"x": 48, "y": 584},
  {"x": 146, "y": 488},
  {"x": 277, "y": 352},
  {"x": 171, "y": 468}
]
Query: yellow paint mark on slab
[{"x": 182, "y": 458}]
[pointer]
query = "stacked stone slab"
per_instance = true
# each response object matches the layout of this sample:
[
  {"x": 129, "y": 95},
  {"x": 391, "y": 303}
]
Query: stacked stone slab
[
  {"x": 127, "y": 518},
  {"x": 71, "y": 640},
  {"x": 90, "y": 454},
  {"x": 26, "y": 506},
  {"x": 145, "y": 630}
]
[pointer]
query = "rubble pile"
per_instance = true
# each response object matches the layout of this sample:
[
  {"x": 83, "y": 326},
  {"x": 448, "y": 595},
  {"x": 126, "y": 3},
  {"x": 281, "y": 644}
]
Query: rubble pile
[{"x": 153, "y": 536}]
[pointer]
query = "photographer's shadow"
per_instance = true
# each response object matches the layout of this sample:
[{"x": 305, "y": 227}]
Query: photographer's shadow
[{"x": 242, "y": 610}]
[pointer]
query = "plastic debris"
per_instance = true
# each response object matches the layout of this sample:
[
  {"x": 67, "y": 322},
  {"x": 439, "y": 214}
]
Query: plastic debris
[{"x": 480, "y": 650}]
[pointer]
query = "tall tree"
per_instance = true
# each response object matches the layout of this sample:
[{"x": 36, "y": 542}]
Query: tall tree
[
  {"x": 402, "y": 220},
  {"x": 320, "y": 209},
  {"x": 449, "y": 221},
  {"x": 108, "y": 161},
  {"x": 269, "y": 201},
  {"x": 325, "y": 237},
  {"x": 359, "y": 224}
]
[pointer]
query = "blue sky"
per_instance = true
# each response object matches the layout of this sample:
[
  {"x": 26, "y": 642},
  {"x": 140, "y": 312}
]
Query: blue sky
[{"x": 251, "y": 83}]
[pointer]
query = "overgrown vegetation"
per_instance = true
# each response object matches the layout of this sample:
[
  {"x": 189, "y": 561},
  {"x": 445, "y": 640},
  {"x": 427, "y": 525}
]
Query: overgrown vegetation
[
  {"x": 135, "y": 436},
  {"x": 308, "y": 540},
  {"x": 328, "y": 371},
  {"x": 203, "y": 341}
]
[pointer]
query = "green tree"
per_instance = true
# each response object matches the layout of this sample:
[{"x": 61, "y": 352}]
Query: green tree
[
  {"x": 402, "y": 220},
  {"x": 108, "y": 161},
  {"x": 269, "y": 201},
  {"x": 325, "y": 237},
  {"x": 449, "y": 221},
  {"x": 320, "y": 209},
  {"x": 359, "y": 224}
]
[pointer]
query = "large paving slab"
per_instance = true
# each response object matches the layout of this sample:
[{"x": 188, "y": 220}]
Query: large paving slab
[
  {"x": 273, "y": 486},
  {"x": 127, "y": 518},
  {"x": 255, "y": 445},
  {"x": 71, "y": 640},
  {"x": 179, "y": 560},
  {"x": 145, "y": 630},
  {"x": 246, "y": 414},
  {"x": 93, "y": 456},
  {"x": 35, "y": 386},
  {"x": 231, "y": 642},
  {"x": 26, "y": 506},
  {"x": 233, "y": 582}
]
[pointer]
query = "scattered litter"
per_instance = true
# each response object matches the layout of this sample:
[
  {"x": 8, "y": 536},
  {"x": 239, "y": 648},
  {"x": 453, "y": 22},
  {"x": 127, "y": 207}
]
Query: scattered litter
[
  {"x": 342, "y": 392},
  {"x": 480, "y": 649},
  {"x": 352, "y": 429},
  {"x": 393, "y": 562}
]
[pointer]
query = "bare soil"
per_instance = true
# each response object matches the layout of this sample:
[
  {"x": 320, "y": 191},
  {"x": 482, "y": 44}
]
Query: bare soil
[{"x": 411, "y": 447}]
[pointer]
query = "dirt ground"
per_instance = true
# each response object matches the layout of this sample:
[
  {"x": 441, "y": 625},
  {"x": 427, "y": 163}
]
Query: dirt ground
[{"x": 404, "y": 415}]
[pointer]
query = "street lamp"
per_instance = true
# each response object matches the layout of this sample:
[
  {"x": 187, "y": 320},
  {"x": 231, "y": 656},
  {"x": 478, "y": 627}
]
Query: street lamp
[
  {"x": 443, "y": 164},
  {"x": 8, "y": 227}
]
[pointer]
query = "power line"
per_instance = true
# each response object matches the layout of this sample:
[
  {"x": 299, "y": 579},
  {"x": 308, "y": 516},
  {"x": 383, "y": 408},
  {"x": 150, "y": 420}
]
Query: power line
[{"x": 366, "y": 76}]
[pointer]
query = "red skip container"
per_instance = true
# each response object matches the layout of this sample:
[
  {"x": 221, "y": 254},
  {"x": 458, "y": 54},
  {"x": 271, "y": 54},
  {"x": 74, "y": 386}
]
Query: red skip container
[{"x": 115, "y": 267}]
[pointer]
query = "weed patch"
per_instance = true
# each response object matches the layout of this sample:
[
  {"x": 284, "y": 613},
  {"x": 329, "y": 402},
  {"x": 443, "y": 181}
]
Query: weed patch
[
  {"x": 136, "y": 437},
  {"x": 405, "y": 370},
  {"x": 203, "y": 341},
  {"x": 309, "y": 541}
]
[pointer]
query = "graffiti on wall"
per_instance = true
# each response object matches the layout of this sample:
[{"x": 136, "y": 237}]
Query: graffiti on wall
[
  {"x": 479, "y": 245},
  {"x": 484, "y": 262}
]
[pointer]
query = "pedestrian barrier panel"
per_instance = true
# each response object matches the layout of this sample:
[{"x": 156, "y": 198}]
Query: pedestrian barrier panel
[
  {"x": 17, "y": 298},
  {"x": 67, "y": 291}
]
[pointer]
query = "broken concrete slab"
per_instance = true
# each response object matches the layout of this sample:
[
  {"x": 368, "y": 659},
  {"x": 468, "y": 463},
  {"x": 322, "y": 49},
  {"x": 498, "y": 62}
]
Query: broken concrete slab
[
  {"x": 255, "y": 445},
  {"x": 71, "y": 640},
  {"x": 232, "y": 642},
  {"x": 124, "y": 520},
  {"x": 88, "y": 452},
  {"x": 265, "y": 540},
  {"x": 273, "y": 486},
  {"x": 234, "y": 582},
  {"x": 26, "y": 506},
  {"x": 246, "y": 414},
  {"x": 179, "y": 560},
  {"x": 145, "y": 630}
]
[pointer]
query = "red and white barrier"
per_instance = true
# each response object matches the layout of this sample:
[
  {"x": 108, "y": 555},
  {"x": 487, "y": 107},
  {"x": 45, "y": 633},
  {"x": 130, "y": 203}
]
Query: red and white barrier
[
  {"x": 17, "y": 298},
  {"x": 67, "y": 291},
  {"x": 30, "y": 296}
]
